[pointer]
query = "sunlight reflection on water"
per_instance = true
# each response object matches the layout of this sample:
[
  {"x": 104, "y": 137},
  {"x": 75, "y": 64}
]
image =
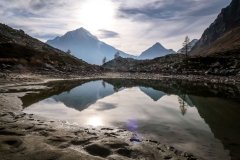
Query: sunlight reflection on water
[
  {"x": 95, "y": 121},
  {"x": 143, "y": 110}
]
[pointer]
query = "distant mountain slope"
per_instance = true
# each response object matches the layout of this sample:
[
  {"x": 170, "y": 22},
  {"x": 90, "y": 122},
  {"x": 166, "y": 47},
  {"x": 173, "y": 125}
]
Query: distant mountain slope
[
  {"x": 225, "y": 64},
  {"x": 223, "y": 34},
  {"x": 191, "y": 45},
  {"x": 85, "y": 46},
  {"x": 160, "y": 64},
  {"x": 121, "y": 64},
  {"x": 157, "y": 50},
  {"x": 22, "y": 52}
]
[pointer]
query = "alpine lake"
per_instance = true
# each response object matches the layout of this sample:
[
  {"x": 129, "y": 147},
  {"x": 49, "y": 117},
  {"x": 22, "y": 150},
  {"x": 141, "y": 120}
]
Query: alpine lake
[{"x": 200, "y": 118}]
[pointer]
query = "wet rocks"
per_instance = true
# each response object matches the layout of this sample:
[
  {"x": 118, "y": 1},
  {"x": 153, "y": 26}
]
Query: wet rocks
[
  {"x": 44, "y": 133},
  {"x": 63, "y": 145},
  {"x": 107, "y": 129},
  {"x": 95, "y": 142},
  {"x": 12, "y": 141},
  {"x": 83, "y": 141},
  {"x": 135, "y": 140},
  {"x": 11, "y": 132},
  {"x": 11, "y": 144},
  {"x": 116, "y": 144},
  {"x": 111, "y": 134},
  {"x": 124, "y": 152},
  {"x": 97, "y": 150}
]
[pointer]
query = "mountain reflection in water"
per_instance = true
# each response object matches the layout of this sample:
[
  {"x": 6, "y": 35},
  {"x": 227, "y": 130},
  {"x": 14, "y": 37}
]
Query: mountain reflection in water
[{"x": 194, "y": 118}]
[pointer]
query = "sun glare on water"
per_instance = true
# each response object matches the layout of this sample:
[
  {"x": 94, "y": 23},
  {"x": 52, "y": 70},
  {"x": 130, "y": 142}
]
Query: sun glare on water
[
  {"x": 95, "y": 121},
  {"x": 97, "y": 14}
]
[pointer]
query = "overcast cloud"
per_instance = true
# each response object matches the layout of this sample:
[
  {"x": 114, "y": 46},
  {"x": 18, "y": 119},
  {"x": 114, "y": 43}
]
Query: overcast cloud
[{"x": 129, "y": 25}]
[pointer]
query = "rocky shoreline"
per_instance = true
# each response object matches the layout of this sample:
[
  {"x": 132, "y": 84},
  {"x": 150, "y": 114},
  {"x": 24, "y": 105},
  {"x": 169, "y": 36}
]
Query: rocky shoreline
[
  {"x": 6, "y": 78},
  {"x": 27, "y": 136}
]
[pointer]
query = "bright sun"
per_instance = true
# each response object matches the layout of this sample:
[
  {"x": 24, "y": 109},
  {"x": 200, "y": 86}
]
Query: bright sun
[{"x": 97, "y": 14}]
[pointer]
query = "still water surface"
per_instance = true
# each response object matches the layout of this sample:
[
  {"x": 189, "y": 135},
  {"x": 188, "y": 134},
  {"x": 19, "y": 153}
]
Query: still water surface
[{"x": 201, "y": 120}]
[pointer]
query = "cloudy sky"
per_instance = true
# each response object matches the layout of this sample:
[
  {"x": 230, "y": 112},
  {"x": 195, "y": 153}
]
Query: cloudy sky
[{"x": 129, "y": 25}]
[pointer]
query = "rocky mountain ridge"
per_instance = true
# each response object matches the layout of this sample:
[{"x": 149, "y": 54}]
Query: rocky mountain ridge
[
  {"x": 223, "y": 34},
  {"x": 20, "y": 52},
  {"x": 227, "y": 64}
]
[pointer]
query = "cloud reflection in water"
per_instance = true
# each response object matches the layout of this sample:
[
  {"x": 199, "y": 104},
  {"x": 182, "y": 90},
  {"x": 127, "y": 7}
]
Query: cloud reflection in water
[{"x": 135, "y": 110}]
